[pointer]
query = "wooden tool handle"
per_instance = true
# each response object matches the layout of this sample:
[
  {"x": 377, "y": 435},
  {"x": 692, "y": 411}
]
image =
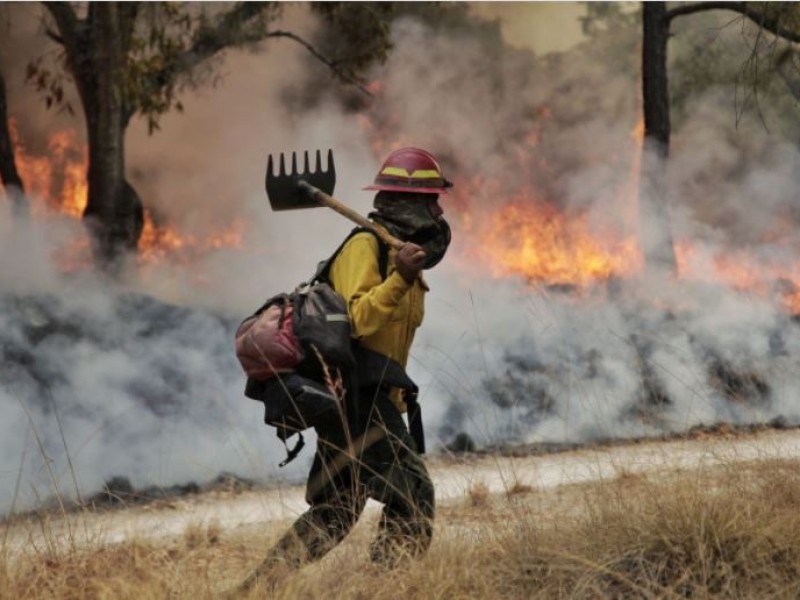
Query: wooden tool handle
[{"x": 344, "y": 210}]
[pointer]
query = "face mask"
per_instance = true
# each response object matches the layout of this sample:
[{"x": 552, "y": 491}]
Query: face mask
[
  {"x": 435, "y": 240},
  {"x": 408, "y": 217}
]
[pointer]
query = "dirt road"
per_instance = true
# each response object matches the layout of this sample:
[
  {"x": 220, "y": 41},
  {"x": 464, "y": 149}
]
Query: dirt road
[{"x": 453, "y": 478}]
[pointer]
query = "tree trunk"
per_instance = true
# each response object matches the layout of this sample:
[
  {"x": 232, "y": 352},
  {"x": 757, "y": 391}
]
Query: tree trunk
[
  {"x": 655, "y": 229},
  {"x": 655, "y": 88},
  {"x": 9, "y": 175},
  {"x": 114, "y": 212}
]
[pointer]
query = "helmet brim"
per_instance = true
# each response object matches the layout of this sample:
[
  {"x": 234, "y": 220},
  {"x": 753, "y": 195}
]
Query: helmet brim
[{"x": 406, "y": 190}]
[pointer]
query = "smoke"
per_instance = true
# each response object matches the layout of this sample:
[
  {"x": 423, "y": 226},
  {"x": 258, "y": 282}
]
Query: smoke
[
  {"x": 504, "y": 359},
  {"x": 139, "y": 379},
  {"x": 542, "y": 365}
]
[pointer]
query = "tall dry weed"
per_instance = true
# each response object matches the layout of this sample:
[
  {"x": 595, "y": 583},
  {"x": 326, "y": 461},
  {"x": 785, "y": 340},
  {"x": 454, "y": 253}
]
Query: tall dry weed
[{"x": 730, "y": 532}]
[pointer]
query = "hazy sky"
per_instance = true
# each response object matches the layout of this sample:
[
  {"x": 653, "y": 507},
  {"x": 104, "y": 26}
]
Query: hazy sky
[{"x": 542, "y": 26}]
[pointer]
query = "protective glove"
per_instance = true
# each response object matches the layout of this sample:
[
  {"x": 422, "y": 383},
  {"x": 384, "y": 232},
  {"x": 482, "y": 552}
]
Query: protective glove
[{"x": 409, "y": 261}]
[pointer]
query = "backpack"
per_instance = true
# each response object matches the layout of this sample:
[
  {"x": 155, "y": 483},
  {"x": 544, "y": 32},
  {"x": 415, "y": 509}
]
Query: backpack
[{"x": 295, "y": 347}]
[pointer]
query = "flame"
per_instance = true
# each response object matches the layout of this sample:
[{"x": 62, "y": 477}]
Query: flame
[
  {"x": 159, "y": 243},
  {"x": 55, "y": 181},
  {"x": 56, "y": 184},
  {"x": 538, "y": 241},
  {"x": 544, "y": 243},
  {"x": 524, "y": 234},
  {"x": 767, "y": 277}
]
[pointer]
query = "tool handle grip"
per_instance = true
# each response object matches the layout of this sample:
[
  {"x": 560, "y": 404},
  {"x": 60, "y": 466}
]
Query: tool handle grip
[{"x": 344, "y": 210}]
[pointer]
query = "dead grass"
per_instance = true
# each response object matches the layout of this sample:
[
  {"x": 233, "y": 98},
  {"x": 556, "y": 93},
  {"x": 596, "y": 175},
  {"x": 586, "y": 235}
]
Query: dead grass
[
  {"x": 730, "y": 532},
  {"x": 479, "y": 494},
  {"x": 518, "y": 488}
]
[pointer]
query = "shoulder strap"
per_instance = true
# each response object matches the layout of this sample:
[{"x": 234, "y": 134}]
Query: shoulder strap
[
  {"x": 383, "y": 254},
  {"x": 323, "y": 268}
]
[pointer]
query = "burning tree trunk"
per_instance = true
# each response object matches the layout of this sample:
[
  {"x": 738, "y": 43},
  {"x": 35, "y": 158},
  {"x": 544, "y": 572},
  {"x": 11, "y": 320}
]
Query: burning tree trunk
[
  {"x": 96, "y": 55},
  {"x": 8, "y": 166},
  {"x": 114, "y": 211}
]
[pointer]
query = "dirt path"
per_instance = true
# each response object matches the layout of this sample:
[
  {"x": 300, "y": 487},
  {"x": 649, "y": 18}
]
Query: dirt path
[{"x": 453, "y": 478}]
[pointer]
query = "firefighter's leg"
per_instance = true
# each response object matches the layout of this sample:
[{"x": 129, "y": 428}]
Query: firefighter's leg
[
  {"x": 406, "y": 525},
  {"x": 318, "y": 530},
  {"x": 336, "y": 501},
  {"x": 398, "y": 478},
  {"x": 311, "y": 536}
]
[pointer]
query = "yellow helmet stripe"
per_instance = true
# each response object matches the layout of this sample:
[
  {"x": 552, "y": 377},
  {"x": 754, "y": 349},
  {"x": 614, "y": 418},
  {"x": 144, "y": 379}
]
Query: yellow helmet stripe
[{"x": 419, "y": 174}]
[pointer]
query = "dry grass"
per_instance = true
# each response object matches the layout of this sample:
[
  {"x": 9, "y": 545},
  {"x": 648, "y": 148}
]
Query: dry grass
[
  {"x": 518, "y": 488},
  {"x": 731, "y": 532},
  {"x": 479, "y": 494}
]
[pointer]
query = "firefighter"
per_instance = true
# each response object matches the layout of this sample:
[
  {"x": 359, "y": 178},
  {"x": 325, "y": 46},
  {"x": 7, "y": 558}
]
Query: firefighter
[{"x": 373, "y": 454}]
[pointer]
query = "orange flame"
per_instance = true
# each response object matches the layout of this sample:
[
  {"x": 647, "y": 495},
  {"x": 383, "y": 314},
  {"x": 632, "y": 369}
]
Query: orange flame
[
  {"x": 534, "y": 238},
  {"x": 529, "y": 236},
  {"x": 538, "y": 241},
  {"x": 167, "y": 243},
  {"x": 742, "y": 271},
  {"x": 525, "y": 235},
  {"x": 56, "y": 184},
  {"x": 55, "y": 181}
]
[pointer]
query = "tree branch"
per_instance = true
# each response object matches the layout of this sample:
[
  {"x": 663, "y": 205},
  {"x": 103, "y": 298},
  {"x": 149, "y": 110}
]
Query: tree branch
[
  {"x": 211, "y": 40},
  {"x": 67, "y": 22},
  {"x": 53, "y": 35},
  {"x": 228, "y": 33},
  {"x": 320, "y": 57},
  {"x": 241, "y": 13},
  {"x": 771, "y": 24},
  {"x": 71, "y": 31}
]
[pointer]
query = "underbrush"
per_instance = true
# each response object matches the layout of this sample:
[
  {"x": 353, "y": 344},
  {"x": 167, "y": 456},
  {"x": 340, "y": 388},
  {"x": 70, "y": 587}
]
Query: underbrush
[{"x": 730, "y": 532}]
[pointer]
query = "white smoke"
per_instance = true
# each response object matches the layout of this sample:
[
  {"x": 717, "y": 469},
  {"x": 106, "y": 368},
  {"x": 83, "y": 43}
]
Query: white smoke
[
  {"x": 497, "y": 358},
  {"x": 654, "y": 355},
  {"x": 101, "y": 380}
]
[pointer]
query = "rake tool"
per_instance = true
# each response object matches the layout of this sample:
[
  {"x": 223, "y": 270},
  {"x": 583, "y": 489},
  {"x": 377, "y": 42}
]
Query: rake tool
[{"x": 311, "y": 189}]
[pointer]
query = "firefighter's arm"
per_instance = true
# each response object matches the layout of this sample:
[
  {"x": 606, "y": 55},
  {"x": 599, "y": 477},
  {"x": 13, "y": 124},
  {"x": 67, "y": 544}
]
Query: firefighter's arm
[{"x": 356, "y": 277}]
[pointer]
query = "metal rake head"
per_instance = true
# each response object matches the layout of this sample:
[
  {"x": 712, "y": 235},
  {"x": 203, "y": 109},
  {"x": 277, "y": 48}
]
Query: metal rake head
[{"x": 282, "y": 190}]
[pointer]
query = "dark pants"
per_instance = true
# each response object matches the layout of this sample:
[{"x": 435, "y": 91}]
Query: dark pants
[{"x": 378, "y": 461}]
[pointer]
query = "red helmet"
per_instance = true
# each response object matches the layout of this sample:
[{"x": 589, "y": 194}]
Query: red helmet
[{"x": 411, "y": 170}]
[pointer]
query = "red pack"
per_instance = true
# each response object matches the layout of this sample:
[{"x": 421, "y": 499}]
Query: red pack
[{"x": 266, "y": 344}]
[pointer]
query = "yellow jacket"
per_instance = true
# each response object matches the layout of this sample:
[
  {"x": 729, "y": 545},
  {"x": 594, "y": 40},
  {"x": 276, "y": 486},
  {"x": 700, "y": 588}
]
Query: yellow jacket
[{"x": 383, "y": 314}]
